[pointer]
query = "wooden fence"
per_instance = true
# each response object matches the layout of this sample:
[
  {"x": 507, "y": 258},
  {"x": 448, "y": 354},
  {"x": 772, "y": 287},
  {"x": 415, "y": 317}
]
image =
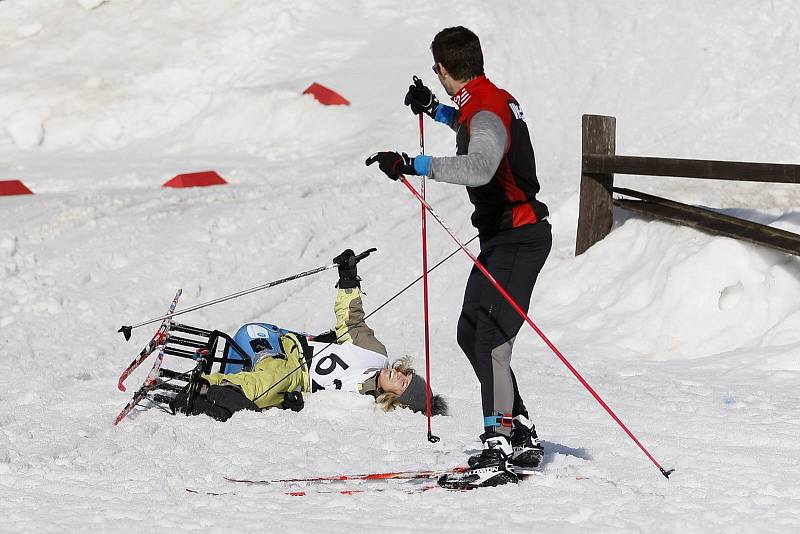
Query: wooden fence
[{"x": 600, "y": 163}]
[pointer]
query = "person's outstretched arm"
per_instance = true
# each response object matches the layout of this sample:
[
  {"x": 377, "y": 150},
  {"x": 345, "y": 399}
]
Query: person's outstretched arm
[
  {"x": 349, "y": 310},
  {"x": 350, "y": 325}
]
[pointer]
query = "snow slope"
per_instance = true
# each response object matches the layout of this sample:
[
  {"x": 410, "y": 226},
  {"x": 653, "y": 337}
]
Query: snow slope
[{"x": 694, "y": 340}]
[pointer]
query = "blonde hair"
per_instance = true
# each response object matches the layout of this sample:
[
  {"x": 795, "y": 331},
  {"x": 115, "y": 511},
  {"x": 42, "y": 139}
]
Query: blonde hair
[{"x": 390, "y": 401}]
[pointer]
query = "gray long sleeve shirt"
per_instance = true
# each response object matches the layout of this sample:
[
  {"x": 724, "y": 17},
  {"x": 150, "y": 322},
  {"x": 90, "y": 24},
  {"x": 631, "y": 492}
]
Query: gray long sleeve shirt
[{"x": 487, "y": 143}]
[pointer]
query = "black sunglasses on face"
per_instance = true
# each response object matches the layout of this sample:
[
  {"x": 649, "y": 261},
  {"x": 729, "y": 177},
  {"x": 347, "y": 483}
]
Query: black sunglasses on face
[{"x": 436, "y": 68}]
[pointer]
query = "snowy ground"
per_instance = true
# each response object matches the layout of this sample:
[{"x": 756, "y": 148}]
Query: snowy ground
[{"x": 693, "y": 340}]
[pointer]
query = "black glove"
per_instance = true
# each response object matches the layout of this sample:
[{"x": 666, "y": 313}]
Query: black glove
[
  {"x": 184, "y": 401},
  {"x": 420, "y": 99},
  {"x": 348, "y": 272},
  {"x": 326, "y": 337},
  {"x": 218, "y": 402},
  {"x": 293, "y": 400},
  {"x": 393, "y": 164}
]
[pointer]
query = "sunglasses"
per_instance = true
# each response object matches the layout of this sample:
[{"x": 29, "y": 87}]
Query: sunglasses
[{"x": 435, "y": 68}]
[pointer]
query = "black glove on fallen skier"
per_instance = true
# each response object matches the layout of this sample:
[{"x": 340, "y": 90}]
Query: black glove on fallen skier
[
  {"x": 293, "y": 400},
  {"x": 393, "y": 164},
  {"x": 421, "y": 99},
  {"x": 219, "y": 402},
  {"x": 348, "y": 272}
]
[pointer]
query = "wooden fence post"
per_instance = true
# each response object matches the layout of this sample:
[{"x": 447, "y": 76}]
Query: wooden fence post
[{"x": 596, "y": 213}]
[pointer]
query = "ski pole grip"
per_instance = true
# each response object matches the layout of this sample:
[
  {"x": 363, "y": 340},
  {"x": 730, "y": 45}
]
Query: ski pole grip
[{"x": 365, "y": 254}]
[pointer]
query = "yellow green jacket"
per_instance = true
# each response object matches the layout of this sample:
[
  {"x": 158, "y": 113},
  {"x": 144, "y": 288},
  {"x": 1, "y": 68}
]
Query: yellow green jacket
[{"x": 288, "y": 373}]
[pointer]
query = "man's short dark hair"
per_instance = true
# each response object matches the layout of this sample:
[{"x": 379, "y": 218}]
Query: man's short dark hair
[{"x": 459, "y": 50}]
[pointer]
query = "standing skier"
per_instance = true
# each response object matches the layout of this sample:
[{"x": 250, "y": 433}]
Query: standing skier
[{"x": 495, "y": 161}]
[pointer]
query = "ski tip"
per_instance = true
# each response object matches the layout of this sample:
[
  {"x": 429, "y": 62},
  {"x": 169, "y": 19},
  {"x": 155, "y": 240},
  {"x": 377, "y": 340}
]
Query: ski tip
[
  {"x": 125, "y": 331},
  {"x": 666, "y": 472},
  {"x": 121, "y": 386}
]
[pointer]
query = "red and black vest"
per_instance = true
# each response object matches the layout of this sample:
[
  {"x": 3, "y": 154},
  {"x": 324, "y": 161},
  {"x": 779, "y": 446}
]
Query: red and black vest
[{"x": 509, "y": 199}]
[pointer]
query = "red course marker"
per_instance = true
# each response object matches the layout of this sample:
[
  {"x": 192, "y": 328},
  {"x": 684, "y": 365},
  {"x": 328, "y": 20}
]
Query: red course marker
[
  {"x": 13, "y": 187},
  {"x": 325, "y": 96},
  {"x": 196, "y": 179}
]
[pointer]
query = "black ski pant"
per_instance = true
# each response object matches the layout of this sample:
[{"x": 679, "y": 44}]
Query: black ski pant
[{"x": 488, "y": 324}]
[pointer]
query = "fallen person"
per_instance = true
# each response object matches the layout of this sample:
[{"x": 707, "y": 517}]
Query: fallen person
[{"x": 357, "y": 362}]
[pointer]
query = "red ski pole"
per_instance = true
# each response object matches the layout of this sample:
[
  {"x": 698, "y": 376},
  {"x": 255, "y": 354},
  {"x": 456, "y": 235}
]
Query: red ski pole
[
  {"x": 431, "y": 437},
  {"x": 528, "y": 320}
]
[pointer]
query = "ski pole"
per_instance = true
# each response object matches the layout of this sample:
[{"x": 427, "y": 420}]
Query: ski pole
[
  {"x": 528, "y": 320},
  {"x": 126, "y": 330},
  {"x": 431, "y": 437}
]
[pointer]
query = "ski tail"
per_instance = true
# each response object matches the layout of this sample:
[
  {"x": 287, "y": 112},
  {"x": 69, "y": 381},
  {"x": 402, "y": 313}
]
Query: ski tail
[
  {"x": 158, "y": 339},
  {"x": 137, "y": 398},
  {"x": 150, "y": 383}
]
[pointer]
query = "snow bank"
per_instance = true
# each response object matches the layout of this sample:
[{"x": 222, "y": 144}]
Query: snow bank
[{"x": 674, "y": 293}]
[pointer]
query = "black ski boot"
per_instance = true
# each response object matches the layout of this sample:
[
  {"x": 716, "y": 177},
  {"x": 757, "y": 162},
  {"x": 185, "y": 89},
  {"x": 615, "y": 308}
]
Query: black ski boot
[
  {"x": 527, "y": 451},
  {"x": 489, "y": 468}
]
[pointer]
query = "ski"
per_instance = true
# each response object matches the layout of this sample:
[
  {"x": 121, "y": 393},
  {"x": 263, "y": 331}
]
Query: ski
[
  {"x": 307, "y": 492},
  {"x": 421, "y": 474},
  {"x": 149, "y": 384},
  {"x": 152, "y": 377},
  {"x": 158, "y": 339},
  {"x": 137, "y": 398},
  {"x": 389, "y": 475},
  {"x": 410, "y": 481}
]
